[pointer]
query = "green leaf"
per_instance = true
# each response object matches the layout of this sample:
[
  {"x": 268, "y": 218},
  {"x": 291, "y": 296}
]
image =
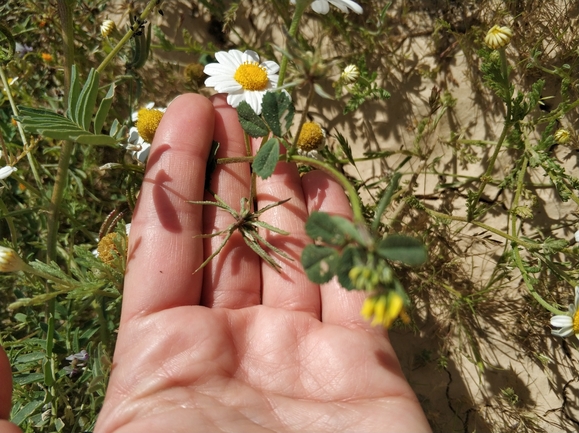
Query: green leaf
[
  {"x": 403, "y": 249},
  {"x": 25, "y": 412},
  {"x": 266, "y": 158},
  {"x": 250, "y": 121},
  {"x": 55, "y": 126},
  {"x": 385, "y": 200},
  {"x": 87, "y": 100},
  {"x": 331, "y": 229},
  {"x": 73, "y": 93},
  {"x": 278, "y": 112},
  {"x": 320, "y": 263},
  {"x": 351, "y": 256},
  {"x": 103, "y": 110}
]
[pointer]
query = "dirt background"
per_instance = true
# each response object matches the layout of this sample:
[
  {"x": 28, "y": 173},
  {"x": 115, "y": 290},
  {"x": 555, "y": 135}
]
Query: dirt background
[{"x": 485, "y": 366}]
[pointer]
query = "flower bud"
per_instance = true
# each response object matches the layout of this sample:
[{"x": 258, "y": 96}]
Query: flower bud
[
  {"x": 10, "y": 261},
  {"x": 562, "y": 136},
  {"x": 350, "y": 74},
  {"x": 107, "y": 27},
  {"x": 498, "y": 37}
]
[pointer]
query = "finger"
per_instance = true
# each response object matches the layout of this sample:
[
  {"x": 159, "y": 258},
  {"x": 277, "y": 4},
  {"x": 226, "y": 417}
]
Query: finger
[
  {"x": 163, "y": 252},
  {"x": 232, "y": 278},
  {"x": 6, "y": 388},
  {"x": 289, "y": 289},
  {"x": 339, "y": 306}
]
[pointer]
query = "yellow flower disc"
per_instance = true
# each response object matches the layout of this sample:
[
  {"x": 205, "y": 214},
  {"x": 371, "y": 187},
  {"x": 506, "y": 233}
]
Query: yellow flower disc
[
  {"x": 106, "y": 247},
  {"x": 311, "y": 137},
  {"x": 251, "y": 76},
  {"x": 148, "y": 122},
  {"x": 576, "y": 322}
]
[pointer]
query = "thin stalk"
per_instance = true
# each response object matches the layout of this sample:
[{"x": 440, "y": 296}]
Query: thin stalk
[
  {"x": 128, "y": 35},
  {"x": 302, "y": 119},
  {"x": 301, "y": 6},
  {"x": 487, "y": 175},
  {"x": 517, "y": 255},
  {"x": 20, "y": 129},
  {"x": 340, "y": 178}
]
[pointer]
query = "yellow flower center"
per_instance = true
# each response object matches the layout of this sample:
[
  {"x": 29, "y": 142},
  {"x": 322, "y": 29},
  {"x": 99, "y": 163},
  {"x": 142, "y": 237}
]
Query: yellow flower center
[
  {"x": 576, "y": 322},
  {"x": 311, "y": 137},
  {"x": 148, "y": 122},
  {"x": 251, "y": 76},
  {"x": 107, "y": 249}
]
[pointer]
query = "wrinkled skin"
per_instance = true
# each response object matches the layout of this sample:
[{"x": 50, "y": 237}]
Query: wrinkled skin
[{"x": 238, "y": 347}]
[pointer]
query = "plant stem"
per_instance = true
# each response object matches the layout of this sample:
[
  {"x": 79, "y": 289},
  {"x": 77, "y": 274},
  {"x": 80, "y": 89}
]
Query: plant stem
[
  {"x": 517, "y": 255},
  {"x": 340, "y": 178},
  {"x": 485, "y": 178},
  {"x": 20, "y": 130},
  {"x": 128, "y": 35},
  {"x": 293, "y": 30}
]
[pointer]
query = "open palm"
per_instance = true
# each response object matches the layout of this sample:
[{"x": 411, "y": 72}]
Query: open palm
[{"x": 238, "y": 346}]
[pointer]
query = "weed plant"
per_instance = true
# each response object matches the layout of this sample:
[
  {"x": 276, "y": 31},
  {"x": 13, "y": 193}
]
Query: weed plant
[{"x": 71, "y": 82}]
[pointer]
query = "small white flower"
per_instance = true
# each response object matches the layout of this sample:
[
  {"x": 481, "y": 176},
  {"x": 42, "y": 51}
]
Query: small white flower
[
  {"x": 6, "y": 171},
  {"x": 242, "y": 77},
  {"x": 568, "y": 323},
  {"x": 107, "y": 27},
  {"x": 498, "y": 37},
  {"x": 10, "y": 261},
  {"x": 323, "y": 6},
  {"x": 350, "y": 74}
]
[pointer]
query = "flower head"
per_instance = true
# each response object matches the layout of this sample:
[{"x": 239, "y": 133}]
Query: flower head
[
  {"x": 10, "y": 261},
  {"x": 140, "y": 136},
  {"x": 498, "y": 37},
  {"x": 323, "y": 6},
  {"x": 568, "y": 323},
  {"x": 562, "y": 136},
  {"x": 77, "y": 362},
  {"x": 312, "y": 138},
  {"x": 384, "y": 308},
  {"x": 107, "y": 27},
  {"x": 46, "y": 57},
  {"x": 350, "y": 74},
  {"x": 242, "y": 77}
]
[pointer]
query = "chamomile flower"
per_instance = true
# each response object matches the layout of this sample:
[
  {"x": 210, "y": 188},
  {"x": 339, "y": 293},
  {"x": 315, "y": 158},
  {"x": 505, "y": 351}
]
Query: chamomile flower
[
  {"x": 323, "y": 6},
  {"x": 568, "y": 323},
  {"x": 311, "y": 139},
  {"x": 242, "y": 77},
  {"x": 562, "y": 136},
  {"x": 141, "y": 135},
  {"x": 498, "y": 37},
  {"x": 350, "y": 74},
  {"x": 10, "y": 261}
]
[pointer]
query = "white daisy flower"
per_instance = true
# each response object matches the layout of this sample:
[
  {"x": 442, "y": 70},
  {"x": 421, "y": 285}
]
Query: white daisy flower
[
  {"x": 498, "y": 37},
  {"x": 242, "y": 77},
  {"x": 568, "y": 323},
  {"x": 323, "y": 6}
]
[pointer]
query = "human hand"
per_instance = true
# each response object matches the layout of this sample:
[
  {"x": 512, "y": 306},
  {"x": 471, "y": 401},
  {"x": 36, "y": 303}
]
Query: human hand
[{"x": 237, "y": 346}]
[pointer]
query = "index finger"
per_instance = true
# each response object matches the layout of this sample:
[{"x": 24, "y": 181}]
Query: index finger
[{"x": 163, "y": 250}]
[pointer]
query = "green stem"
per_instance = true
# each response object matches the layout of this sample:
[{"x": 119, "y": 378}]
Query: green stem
[
  {"x": 487, "y": 175},
  {"x": 301, "y": 6},
  {"x": 128, "y": 35},
  {"x": 340, "y": 178},
  {"x": 20, "y": 130},
  {"x": 528, "y": 245},
  {"x": 517, "y": 255}
]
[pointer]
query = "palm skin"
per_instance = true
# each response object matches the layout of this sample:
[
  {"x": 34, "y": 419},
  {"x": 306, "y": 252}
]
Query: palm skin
[{"x": 238, "y": 346}]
